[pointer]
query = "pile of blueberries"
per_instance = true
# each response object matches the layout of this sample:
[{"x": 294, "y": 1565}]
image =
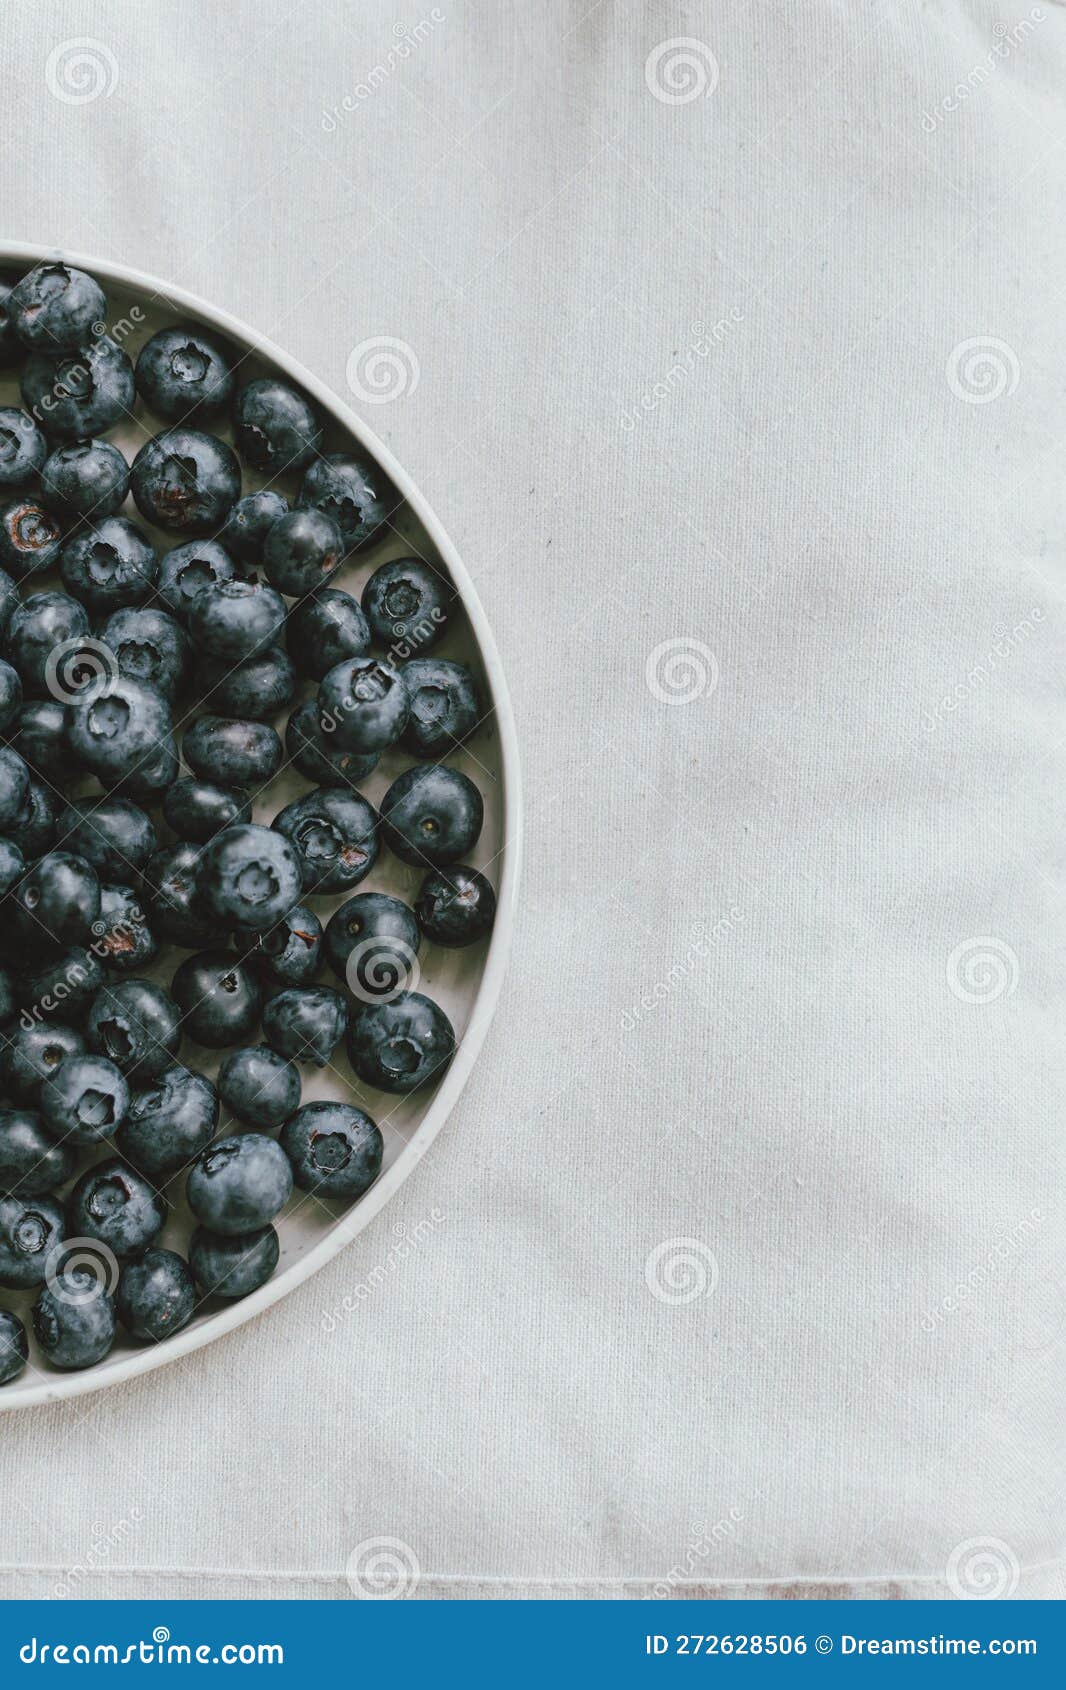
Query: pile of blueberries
[{"x": 110, "y": 851}]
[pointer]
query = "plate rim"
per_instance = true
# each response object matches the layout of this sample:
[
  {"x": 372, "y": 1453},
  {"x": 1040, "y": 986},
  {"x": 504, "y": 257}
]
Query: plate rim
[{"x": 359, "y": 1216}]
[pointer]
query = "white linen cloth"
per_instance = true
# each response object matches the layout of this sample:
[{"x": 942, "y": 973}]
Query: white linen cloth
[{"x": 742, "y": 390}]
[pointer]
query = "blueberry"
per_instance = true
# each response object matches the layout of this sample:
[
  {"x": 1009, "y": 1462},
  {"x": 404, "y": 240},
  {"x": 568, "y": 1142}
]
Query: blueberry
[
  {"x": 169, "y": 1123},
  {"x": 219, "y": 998},
  {"x": 287, "y": 954},
  {"x": 86, "y": 1099},
  {"x": 22, "y": 448},
  {"x": 109, "y": 564},
  {"x": 335, "y": 834},
  {"x": 324, "y": 630},
  {"x": 249, "y": 522},
  {"x": 40, "y": 738},
  {"x": 186, "y": 481},
  {"x": 363, "y": 704},
  {"x": 8, "y": 999},
  {"x": 155, "y": 1296},
  {"x": 445, "y": 707},
  {"x": 456, "y": 906},
  {"x": 316, "y": 755},
  {"x": 10, "y": 697},
  {"x": 121, "y": 733},
  {"x": 55, "y": 904},
  {"x": 149, "y": 646},
  {"x": 14, "y": 1346},
  {"x": 233, "y": 1267},
  {"x": 138, "y": 1025},
  {"x": 33, "y": 830},
  {"x": 115, "y": 1205},
  {"x": 31, "y": 1162},
  {"x": 197, "y": 810},
  {"x": 260, "y": 1087},
  {"x": 431, "y": 815},
  {"x": 75, "y": 395},
  {"x": 302, "y": 551},
  {"x": 335, "y": 1150},
  {"x": 125, "y": 941},
  {"x": 31, "y": 1231},
  {"x": 183, "y": 372},
  {"x": 63, "y": 989},
  {"x": 86, "y": 478},
  {"x": 253, "y": 690},
  {"x": 236, "y": 619},
  {"x": 10, "y": 345},
  {"x": 56, "y": 307},
  {"x": 239, "y": 1184},
  {"x": 371, "y": 942},
  {"x": 74, "y": 1319},
  {"x": 42, "y": 623},
  {"x": 186, "y": 570},
  {"x": 14, "y": 787},
  {"x": 249, "y": 878},
  {"x": 30, "y": 537},
  {"x": 231, "y": 752},
  {"x": 400, "y": 1045},
  {"x": 112, "y": 834},
  {"x": 305, "y": 1023},
  {"x": 32, "y": 1054},
  {"x": 171, "y": 882},
  {"x": 353, "y": 491},
  {"x": 275, "y": 426},
  {"x": 407, "y": 603},
  {"x": 12, "y": 865}
]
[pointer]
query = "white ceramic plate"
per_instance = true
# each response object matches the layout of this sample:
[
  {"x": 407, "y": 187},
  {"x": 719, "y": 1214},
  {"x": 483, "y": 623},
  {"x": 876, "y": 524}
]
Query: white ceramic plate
[{"x": 466, "y": 983}]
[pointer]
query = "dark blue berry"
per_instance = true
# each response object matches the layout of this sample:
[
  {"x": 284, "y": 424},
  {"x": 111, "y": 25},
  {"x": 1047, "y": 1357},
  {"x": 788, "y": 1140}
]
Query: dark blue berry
[
  {"x": 316, "y": 755},
  {"x": 239, "y": 1184},
  {"x": 109, "y": 564},
  {"x": 112, "y": 834},
  {"x": 197, "y": 810},
  {"x": 335, "y": 1149},
  {"x": 12, "y": 865},
  {"x": 233, "y": 1267},
  {"x": 171, "y": 881},
  {"x": 287, "y": 954},
  {"x": 445, "y": 708},
  {"x": 259, "y": 1087},
  {"x": 431, "y": 815},
  {"x": 63, "y": 989},
  {"x": 325, "y": 630},
  {"x": 155, "y": 1296},
  {"x": 22, "y": 448},
  {"x": 40, "y": 738},
  {"x": 121, "y": 733},
  {"x": 32, "y": 1055},
  {"x": 31, "y": 1161},
  {"x": 363, "y": 704},
  {"x": 10, "y": 697},
  {"x": 183, "y": 372},
  {"x": 31, "y": 1231},
  {"x": 138, "y": 1025},
  {"x": 253, "y": 690},
  {"x": 456, "y": 906},
  {"x": 353, "y": 491},
  {"x": 305, "y": 1023},
  {"x": 56, "y": 307},
  {"x": 169, "y": 1122},
  {"x": 249, "y": 878},
  {"x": 33, "y": 829},
  {"x": 382, "y": 936},
  {"x": 124, "y": 940},
  {"x": 335, "y": 833},
  {"x": 249, "y": 522},
  {"x": 303, "y": 550},
  {"x": 76, "y": 395},
  {"x": 219, "y": 999},
  {"x": 236, "y": 619},
  {"x": 232, "y": 752},
  {"x": 400, "y": 1045},
  {"x": 74, "y": 1319},
  {"x": 275, "y": 426},
  {"x": 85, "y": 1100},
  {"x": 30, "y": 537},
  {"x": 43, "y": 622},
  {"x": 408, "y": 605},
  {"x": 55, "y": 904},
  {"x": 14, "y": 1346},
  {"x": 86, "y": 478},
  {"x": 185, "y": 481},
  {"x": 115, "y": 1205},
  {"x": 149, "y": 646},
  {"x": 14, "y": 787},
  {"x": 186, "y": 570}
]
